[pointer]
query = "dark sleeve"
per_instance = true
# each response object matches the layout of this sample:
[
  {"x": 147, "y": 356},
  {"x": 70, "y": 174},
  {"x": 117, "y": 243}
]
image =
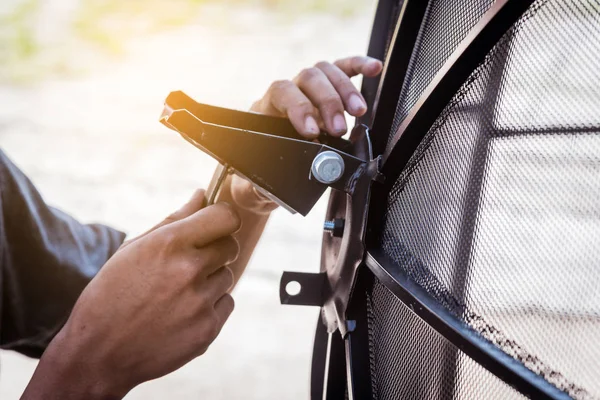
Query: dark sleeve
[{"x": 46, "y": 259}]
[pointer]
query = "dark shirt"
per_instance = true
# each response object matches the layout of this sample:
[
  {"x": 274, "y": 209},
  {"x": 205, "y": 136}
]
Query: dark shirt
[{"x": 46, "y": 259}]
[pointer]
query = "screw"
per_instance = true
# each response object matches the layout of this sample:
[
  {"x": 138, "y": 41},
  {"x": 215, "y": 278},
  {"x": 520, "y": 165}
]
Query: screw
[
  {"x": 335, "y": 227},
  {"x": 329, "y": 226},
  {"x": 328, "y": 167}
]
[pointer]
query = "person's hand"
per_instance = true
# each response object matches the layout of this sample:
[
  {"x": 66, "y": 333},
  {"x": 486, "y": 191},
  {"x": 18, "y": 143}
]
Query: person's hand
[
  {"x": 157, "y": 303},
  {"x": 314, "y": 101},
  {"x": 316, "y": 98}
]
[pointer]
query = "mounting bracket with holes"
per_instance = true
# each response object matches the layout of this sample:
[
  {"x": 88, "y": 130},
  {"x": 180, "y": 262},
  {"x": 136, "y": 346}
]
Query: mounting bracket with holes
[
  {"x": 310, "y": 287},
  {"x": 294, "y": 172}
]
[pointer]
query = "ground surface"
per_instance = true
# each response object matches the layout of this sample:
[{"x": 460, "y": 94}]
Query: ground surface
[{"x": 92, "y": 144}]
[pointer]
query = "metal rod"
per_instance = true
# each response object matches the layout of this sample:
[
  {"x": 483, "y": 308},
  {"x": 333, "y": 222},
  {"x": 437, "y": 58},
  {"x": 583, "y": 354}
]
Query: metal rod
[{"x": 216, "y": 182}]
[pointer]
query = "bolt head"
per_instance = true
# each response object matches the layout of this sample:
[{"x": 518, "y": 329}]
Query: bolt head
[{"x": 328, "y": 167}]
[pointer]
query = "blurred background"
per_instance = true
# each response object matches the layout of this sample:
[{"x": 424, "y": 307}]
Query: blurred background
[{"x": 82, "y": 84}]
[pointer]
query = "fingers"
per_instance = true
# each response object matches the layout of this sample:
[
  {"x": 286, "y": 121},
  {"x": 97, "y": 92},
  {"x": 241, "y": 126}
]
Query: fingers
[
  {"x": 357, "y": 65},
  {"x": 353, "y": 101},
  {"x": 207, "y": 225},
  {"x": 217, "y": 284},
  {"x": 322, "y": 94},
  {"x": 289, "y": 100},
  {"x": 194, "y": 204},
  {"x": 317, "y": 97},
  {"x": 222, "y": 252},
  {"x": 224, "y": 307},
  {"x": 214, "y": 314}
]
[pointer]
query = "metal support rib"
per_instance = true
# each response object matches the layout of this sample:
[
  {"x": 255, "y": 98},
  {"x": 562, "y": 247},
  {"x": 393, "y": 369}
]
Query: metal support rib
[
  {"x": 458, "y": 333},
  {"x": 396, "y": 65},
  {"x": 385, "y": 18}
]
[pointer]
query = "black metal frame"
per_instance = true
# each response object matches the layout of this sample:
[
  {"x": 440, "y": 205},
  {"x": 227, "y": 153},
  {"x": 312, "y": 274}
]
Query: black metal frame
[
  {"x": 457, "y": 332},
  {"x": 386, "y": 16},
  {"x": 395, "y": 68},
  {"x": 495, "y": 23},
  {"x": 358, "y": 358},
  {"x": 465, "y": 59},
  {"x": 356, "y": 361}
]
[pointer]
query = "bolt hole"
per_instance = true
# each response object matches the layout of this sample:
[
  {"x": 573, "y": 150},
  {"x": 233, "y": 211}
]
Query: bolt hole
[{"x": 293, "y": 288}]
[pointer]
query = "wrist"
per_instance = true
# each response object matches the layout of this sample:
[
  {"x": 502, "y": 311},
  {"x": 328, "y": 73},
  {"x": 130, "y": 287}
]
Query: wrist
[{"x": 66, "y": 371}]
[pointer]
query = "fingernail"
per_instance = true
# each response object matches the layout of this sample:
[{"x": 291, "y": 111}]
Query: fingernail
[
  {"x": 310, "y": 125},
  {"x": 356, "y": 104},
  {"x": 339, "y": 123}
]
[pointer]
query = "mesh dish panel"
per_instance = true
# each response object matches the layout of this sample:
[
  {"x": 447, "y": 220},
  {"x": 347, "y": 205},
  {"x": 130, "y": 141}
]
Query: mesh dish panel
[
  {"x": 497, "y": 214},
  {"x": 410, "y": 360},
  {"x": 445, "y": 25}
]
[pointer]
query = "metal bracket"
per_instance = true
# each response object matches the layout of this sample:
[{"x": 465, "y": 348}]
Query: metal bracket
[
  {"x": 265, "y": 150},
  {"x": 294, "y": 172},
  {"x": 311, "y": 289},
  {"x": 342, "y": 256}
]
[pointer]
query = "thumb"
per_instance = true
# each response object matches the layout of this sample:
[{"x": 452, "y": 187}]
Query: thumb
[{"x": 194, "y": 204}]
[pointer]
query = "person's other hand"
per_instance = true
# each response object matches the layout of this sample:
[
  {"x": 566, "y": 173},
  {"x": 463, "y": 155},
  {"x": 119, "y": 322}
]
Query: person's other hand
[
  {"x": 314, "y": 101},
  {"x": 158, "y": 303}
]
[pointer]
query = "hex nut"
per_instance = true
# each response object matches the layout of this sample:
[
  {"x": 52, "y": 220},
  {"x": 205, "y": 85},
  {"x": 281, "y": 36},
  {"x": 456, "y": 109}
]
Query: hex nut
[{"x": 328, "y": 167}]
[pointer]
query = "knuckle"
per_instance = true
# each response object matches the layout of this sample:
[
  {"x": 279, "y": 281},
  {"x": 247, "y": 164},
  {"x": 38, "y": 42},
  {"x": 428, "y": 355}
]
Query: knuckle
[
  {"x": 205, "y": 303},
  {"x": 356, "y": 60},
  {"x": 235, "y": 219},
  {"x": 188, "y": 269},
  {"x": 307, "y": 74},
  {"x": 209, "y": 254},
  {"x": 210, "y": 327},
  {"x": 174, "y": 216},
  {"x": 345, "y": 85},
  {"x": 322, "y": 64},
  {"x": 168, "y": 239},
  {"x": 341, "y": 61},
  {"x": 203, "y": 336},
  {"x": 302, "y": 105},
  {"x": 280, "y": 85},
  {"x": 331, "y": 102},
  {"x": 229, "y": 301},
  {"x": 230, "y": 217},
  {"x": 202, "y": 348},
  {"x": 227, "y": 277},
  {"x": 212, "y": 332}
]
